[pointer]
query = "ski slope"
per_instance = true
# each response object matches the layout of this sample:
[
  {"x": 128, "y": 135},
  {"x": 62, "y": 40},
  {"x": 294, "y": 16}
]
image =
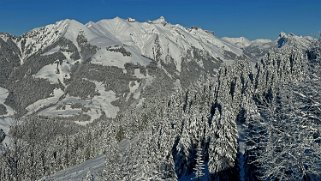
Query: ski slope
[{"x": 79, "y": 172}]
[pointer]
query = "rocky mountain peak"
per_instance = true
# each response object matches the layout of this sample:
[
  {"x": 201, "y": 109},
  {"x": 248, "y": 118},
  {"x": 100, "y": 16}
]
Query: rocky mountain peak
[{"x": 160, "y": 20}]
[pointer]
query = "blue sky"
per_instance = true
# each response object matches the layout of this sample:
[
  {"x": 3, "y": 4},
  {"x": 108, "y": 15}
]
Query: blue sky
[{"x": 233, "y": 18}]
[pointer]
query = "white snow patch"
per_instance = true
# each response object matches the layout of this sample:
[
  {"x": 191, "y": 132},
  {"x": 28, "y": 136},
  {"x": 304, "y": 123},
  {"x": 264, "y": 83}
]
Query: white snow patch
[
  {"x": 5, "y": 120},
  {"x": 96, "y": 106},
  {"x": 105, "y": 99},
  {"x": 78, "y": 172},
  {"x": 100, "y": 103},
  {"x": 243, "y": 42},
  {"x": 54, "y": 72},
  {"x": 261, "y": 41},
  {"x": 57, "y": 93},
  {"x": 66, "y": 111},
  {"x": 172, "y": 40},
  {"x": 138, "y": 74},
  {"x": 140, "y": 103},
  {"x": 3, "y": 96},
  {"x": 110, "y": 58},
  {"x": 52, "y": 51},
  {"x": 228, "y": 62},
  {"x": 177, "y": 84},
  {"x": 4, "y": 37},
  {"x": 133, "y": 90},
  {"x": 48, "y": 72},
  {"x": 240, "y": 42}
]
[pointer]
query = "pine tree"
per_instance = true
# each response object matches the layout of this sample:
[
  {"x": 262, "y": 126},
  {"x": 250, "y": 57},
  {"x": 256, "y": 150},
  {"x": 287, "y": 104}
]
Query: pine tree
[
  {"x": 89, "y": 176},
  {"x": 200, "y": 166},
  {"x": 223, "y": 143}
]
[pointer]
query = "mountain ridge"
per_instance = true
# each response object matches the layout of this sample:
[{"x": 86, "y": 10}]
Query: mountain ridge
[
  {"x": 71, "y": 62},
  {"x": 60, "y": 56}
]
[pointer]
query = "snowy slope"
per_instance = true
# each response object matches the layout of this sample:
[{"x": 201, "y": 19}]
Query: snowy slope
[
  {"x": 159, "y": 35},
  {"x": 110, "y": 57},
  {"x": 5, "y": 120},
  {"x": 79, "y": 172},
  {"x": 240, "y": 42},
  {"x": 284, "y": 39},
  {"x": 125, "y": 60},
  {"x": 40, "y": 38},
  {"x": 243, "y": 42},
  {"x": 3, "y": 96},
  {"x": 301, "y": 42}
]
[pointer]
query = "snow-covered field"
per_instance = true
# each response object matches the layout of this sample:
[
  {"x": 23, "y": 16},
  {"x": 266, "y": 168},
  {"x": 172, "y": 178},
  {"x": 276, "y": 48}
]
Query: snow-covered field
[
  {"x": 79, "y": 172},
  {"x": 45, "y": 102},
  {"x": 96, "y": 105},
  {"x": 110, "y": 58}
]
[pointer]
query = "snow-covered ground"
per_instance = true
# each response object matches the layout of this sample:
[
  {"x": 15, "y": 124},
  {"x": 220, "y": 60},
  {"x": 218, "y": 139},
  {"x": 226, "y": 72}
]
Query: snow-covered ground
[
  {"x": 5, "y": 120},
  {"x": 240, "y": 42},
  {"x": 3, "y": 96},
  {"x": 96, "y": 105},
  {"x": 45, "y": 102},
  {"x": 112, "y": 58},
  {"x": 69, "y": 29},
  {"x": 174, "y": 40},
  {"x": 243, "y": 42},
  {"x": 79, "y": 172},
  {"x": 104, "y": 101}
]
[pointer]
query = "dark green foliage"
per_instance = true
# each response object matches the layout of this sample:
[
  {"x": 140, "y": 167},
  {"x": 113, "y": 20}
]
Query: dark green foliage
[
  {"x": 9, "y": 59},
  {"x": 87, "y": 50},
  {"x": 120, "y": 135},
  {"x": 3, "y": 109},
  {"x": 39, "y": 129},
  {"x": 121, "y": 50},
  {"x": 27, "y": 91},
  {"x": 81, "y": 88}
]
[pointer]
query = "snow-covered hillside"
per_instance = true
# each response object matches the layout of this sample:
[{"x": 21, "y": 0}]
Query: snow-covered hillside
[
  {"x": 74, "y": 65},
  {"x": 302, "y": 42},
  {"x": 240, "y": 42},
  {"x": 40, "y": 38},
  {"x": 121, "y": 61},
  {"x": 160, "y": 37},
  {"x": 79, "y": 172},
  {"x": 243, "y": 42}
]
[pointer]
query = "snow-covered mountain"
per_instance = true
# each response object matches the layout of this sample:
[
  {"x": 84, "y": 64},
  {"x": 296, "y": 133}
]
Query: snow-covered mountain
[
  {"x": 256, "y": 49},
  {"x": 92, "y": 71},
  {"x": 301, "y": 42},
  {"x": 240, "y": 42},
  {"x": 159, "y": 39},
  {"x": 243, "y": 42},
  {"x": 118, "y": 74}
]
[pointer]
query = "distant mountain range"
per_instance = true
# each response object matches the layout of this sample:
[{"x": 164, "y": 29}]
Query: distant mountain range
[{"x": 85, "y": 72}]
